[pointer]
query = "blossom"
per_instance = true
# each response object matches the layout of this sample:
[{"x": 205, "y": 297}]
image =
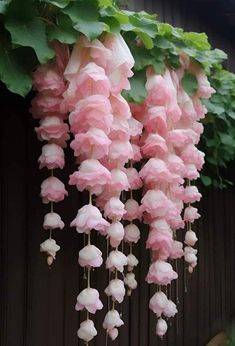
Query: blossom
[
  {"x": 90, "y": 256},
  {"x": 160, "y": 240},
  {"x": 130, "y": 281},
  {"x": 175, "y": 164},
  {"x": 52, "y": 128},
  {"x": 89, "y": 217},
  {"x": 191, "y": 171},
  {"x": 158, "y": 303},
  {"x": 135, "y": 126},
  {"x": 194, "y": 156},
  {"x": 133, "y": 178},
  {"x": 190, "y": 238},
  {"x": 116, "y": 233},
  {"x": 52, "y": 156},
  {"x": 159, "y": 92},
  {"x": 154, "y": 145},
  {"x": 136, "y": 153},
  {"x": 119, "y": 129},
  {"x": 92, "y": 144},
  {"x": 155, "y": 170},
  {"x": 161, "y": 273},
  {"x": 156, "y": 120},
  {"x": 52, "y": 221},
  {"x": 113, "y": 333},
  {"x": 176, "y": 250},
  {"x": 170, "y": 310},
  {"x": 53, "y": 190},
  {"x": 161, "y": 327},
  {"x": 47, "y": 79},
  {"x": 89, "y": 299},
  {"x": 45, "y": 104},
  {"x": 155, "y": 203},
  {"x": 114, "y": 209},
  {"x": 132, "y": 233},
  {"x": 120, "y": 107},
  {"x": 116, "y": 289},
  {"x": 116, "y": 260},
  {"x": 92, "y": 176},
  {"x": 93, "y": 111},
  {"x": 190, "y": 255},
  {"x": 91, "y": 80},
  {"x": 133, "y": 210},
  {"x": 87, "y": 330},
  {"x": 119, "y": 181},
  {"x": 132, "y": 261},
  {"x": 191, "y": 194},
  {"x": 120, "y": 151},
  {"x": 191, "y": 214},
  {"x": 50, "y": 247},
  {"x": 112, "y": 319}
]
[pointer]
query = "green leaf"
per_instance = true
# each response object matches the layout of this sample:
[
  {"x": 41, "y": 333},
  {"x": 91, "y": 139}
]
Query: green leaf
[
  {"x": 63, "y": 31},
  {"x": 226, "y": 139},
  {"x": 103, "y": 3},
  {"x": 4, "y": 5},
  {"x": 198, "y": 40},
  {"x": 148, "y": 42},
  {"x": 31, "y": 34},
  {"x": 85, "y": 17},
  {"x": 13, "y": 74},
  {"x": 213, "y": 107},
  {"x": 163, "y": 42},
  {"x": 190, "y": 83},
  {"x": 58, "y": 3},
  {"x": 112, "y": 23},
  {"x": 137, "y": 93},
  {"x": 207, "y": 181}
]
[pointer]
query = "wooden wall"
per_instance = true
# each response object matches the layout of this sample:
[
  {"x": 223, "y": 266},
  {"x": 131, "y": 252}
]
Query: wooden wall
[{"x": 37, "y": 304}]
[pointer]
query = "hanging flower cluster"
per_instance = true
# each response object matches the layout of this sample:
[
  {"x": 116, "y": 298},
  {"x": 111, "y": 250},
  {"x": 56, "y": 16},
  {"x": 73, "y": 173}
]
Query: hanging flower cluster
[
  {"x": 100, "y": 120},
  {"x": 50, "y": 85},
  {"x": 171, "y": 131}
]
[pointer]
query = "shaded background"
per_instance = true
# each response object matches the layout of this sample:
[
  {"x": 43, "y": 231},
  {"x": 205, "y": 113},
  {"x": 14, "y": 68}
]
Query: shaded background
[{"x": 37, "y": 304}]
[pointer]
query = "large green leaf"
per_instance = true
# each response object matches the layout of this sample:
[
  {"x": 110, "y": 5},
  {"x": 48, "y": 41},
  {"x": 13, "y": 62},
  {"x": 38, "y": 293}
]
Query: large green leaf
[
  {"x": 63, "y": 31},
  {"x": 4, "y": 5},
  {"x": 85, "y": 17},
  {"x": 30, "y": 34},
  {"x": 58, "y": 3},
  {"x": 13, "y": 74},
  {"x": 190, "y": 83},
  {"x": 137, "y": 93}
]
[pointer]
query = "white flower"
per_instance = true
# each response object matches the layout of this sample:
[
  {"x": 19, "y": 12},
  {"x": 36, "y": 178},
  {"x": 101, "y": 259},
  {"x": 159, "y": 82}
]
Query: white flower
[
  {"x": 87, "y": 330},
  {"x": 116, "y": 289},
  {"x": 52, "y": 221},
  {"x": 50, "y": 247}
]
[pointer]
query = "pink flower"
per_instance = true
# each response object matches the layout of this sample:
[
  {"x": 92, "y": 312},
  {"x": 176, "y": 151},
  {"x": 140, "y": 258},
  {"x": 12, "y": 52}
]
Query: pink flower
[
  {"x": 154, "y": 145},
  {"x": 120, "y": 63},
  {"x": 120, "y": 151},
  {"x": 190, "y": 238},
  {"x": 112, "y": 319},
  {"x": 191, "y": 214},
  {"x": 175, "y": 164},
  {"x": 45, "y": 104},
  {"x": 161, "y": 327},
  {"x": 120, "y": 106},
  {"x": 47, "y": 79},
  {"x": 113, "y": 333},
  {"x": 92, "y": 144},
  {"x": 160, "y": 240},
  {"x": 119, "y": 181},
  {"x": 114, "y": 209},
  {"x": 135, "y": 126},
  {"x": 191, "y": 172},
  {"x": 132, "y": 262},
  {"x": 93, "y": 111},
  {"x": 116, "y": 260},
  {"x": 90, "y": 256},
  {"x": 119, "y": 130},
  {"x": 133, "y": 210},
  {"x": 159, "y": 92},
  {"x": 155, "y": 170},
  {"x": 192, "y": 155},
  {"x": 133, "y": 178},
  {"x": 87, "y": 330},
  {"x": 132, "y": 233},
  {"x": 50, "y": 247},
  {"x": 52, "y": 156},
  {"x": 170, "y": 309},
  {"x": 52, "y": 221},
  {"x": 181, "y": 137},
  {"x": 89, "y": 299},
  {"x": 158, "y": 303},
  {"x": 116, "y": 233},
  {"x": 89, "y": 217},
  {"x": 136, "y": 153},
  {"x": 190, "y": 255},
  {"x": 116, "y": 290},
  {"x": 156, "y": 203},
  {"x": 130, "y": 281},
  {"x": 52, "y": 128},
  {"x": 161, "y": 273},
  {"x": 204, "y": 89},
  {"x": 191, "y": 194},
  {"x": 176, "y": 250},
  {"x": 90, "y": 80},
  {"x": 52, "y": 190},
  {"x": 156, "y": 120},
  {"x": 61, "y": 55},
  {"x": 91, "y": 176}
]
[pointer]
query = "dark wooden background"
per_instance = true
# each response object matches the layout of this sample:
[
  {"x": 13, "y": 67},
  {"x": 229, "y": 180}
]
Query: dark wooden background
[{"x": 37, "y": 304}]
